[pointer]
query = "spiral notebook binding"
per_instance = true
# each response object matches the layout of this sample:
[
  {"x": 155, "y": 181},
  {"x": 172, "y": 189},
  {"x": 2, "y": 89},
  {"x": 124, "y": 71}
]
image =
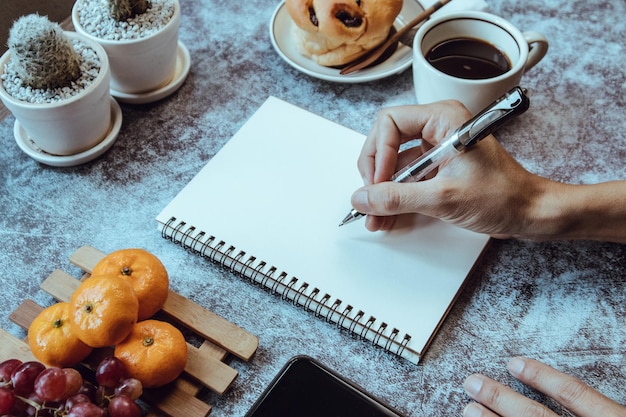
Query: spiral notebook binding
[
  {"x": 288, "y": 288},
  {"x": 320, "y": 305},
  {"x": 344, "y": 315},
  {"x": 237, "y": 259},
  {"x": 357, "y": 318},
  {"x": 312, "y": 296},
  {"x": 391, "y": 338},
  {"x": 379, "y": 333},
  {"x": 300, "y": 293}
]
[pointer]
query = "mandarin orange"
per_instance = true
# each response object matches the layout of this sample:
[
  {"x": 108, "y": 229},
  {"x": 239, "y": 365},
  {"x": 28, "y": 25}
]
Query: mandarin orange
[
  {"x": 52, "y": 340},
  {"x": 103, "y": 310},
  {"x": 155, "y": 353},
  {"x": 144, "y": 271}
]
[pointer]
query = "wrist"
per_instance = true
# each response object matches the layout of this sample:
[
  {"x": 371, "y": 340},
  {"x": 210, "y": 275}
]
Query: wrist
[
  {"x": 545, "y": 211},
  {"x": 590, "y": 212}
]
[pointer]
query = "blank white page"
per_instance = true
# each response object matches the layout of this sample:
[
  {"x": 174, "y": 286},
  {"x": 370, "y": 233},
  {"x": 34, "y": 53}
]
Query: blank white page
[{"x": 278, "y": 191}]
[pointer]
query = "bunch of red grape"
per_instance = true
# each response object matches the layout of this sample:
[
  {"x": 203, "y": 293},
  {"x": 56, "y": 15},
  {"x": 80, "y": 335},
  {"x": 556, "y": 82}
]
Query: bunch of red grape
[{"x": 30, "y": 389}]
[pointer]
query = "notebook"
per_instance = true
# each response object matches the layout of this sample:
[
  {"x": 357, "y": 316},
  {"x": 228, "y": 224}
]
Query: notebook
[{"x": 267, "y": 206}]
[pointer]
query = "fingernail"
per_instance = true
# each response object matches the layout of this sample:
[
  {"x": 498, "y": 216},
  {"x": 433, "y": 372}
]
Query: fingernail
[
  {"x": 472, "y": 385},
  {"x": 360, "y": 200},
  {"x": 473, "y": 410},
  {"x": 516, "y": 366}
]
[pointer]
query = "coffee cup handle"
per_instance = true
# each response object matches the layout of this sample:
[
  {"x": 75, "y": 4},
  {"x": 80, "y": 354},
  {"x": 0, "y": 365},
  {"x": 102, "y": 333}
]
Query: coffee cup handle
[{"x": 538, "y": 47}]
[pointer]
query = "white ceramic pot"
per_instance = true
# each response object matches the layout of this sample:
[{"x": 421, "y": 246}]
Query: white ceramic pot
[
  {"x": 139, "y": 65},
  {"x": 69, "y": 126}
]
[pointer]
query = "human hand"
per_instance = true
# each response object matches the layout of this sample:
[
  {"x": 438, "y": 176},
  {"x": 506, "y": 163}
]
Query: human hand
[
  {"x": 497, "y": 400},
  {"x": 484, "y": 190}
]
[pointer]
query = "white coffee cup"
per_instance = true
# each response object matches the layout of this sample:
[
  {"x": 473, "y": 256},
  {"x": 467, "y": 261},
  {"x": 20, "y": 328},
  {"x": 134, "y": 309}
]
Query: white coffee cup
[{"x": 522, "y": 49}]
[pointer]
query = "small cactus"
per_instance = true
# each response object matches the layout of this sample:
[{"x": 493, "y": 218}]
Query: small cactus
[
  {"x": 122, "y": 10},
  {"x": 43, "y": 57}
]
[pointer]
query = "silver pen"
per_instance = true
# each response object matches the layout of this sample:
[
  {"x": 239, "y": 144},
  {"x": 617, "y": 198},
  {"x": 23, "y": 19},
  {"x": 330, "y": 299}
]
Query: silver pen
[{"x": 513, "y": 103}]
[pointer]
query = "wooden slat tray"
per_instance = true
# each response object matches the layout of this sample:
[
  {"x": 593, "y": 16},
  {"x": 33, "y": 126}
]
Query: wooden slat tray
[{"x": 205, "y": 364}]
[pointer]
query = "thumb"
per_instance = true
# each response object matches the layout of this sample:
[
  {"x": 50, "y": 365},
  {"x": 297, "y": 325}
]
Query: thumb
[{"x": 389, "y": 198}]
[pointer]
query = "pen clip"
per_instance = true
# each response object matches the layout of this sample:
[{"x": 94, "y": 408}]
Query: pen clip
[{"x": 513, "y": 103}]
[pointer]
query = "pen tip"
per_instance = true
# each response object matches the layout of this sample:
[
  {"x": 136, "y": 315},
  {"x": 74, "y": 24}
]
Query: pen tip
[{"x": 353, "y": 215}]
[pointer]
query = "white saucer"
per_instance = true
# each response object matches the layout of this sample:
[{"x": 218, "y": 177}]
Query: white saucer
[
  {"x": 31, "y": 149},
  {"x": 400, "y": 60},
  {"x": 183, "y": 63}
]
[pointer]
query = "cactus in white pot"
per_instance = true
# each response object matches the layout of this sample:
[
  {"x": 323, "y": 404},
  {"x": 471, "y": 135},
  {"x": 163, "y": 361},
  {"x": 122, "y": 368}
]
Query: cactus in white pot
[
  {"x": 140, "y": 38},
  {"x": 43, "y": 57},
  {"x": 122, "y": 10},
  {"x": 56, "y": 84}
]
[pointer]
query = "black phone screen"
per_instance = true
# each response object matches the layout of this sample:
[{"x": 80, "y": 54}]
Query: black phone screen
[{"x": 306, "y": 388}]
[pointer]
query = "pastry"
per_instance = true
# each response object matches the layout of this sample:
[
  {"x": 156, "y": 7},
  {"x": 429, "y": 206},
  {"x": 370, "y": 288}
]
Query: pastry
[{"x": 336, "y": 32}]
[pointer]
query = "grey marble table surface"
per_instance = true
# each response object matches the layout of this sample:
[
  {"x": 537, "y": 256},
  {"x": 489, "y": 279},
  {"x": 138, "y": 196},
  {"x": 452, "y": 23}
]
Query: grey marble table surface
[{"x": 560, "y": 302}]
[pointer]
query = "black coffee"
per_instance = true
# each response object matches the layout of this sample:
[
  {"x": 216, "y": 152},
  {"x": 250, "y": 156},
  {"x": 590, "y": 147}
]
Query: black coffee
[{"x": 472, "y": 59}]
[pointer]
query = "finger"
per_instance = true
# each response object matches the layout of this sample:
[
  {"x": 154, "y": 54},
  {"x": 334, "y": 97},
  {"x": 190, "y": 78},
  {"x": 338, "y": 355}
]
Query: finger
[
  {"x": 379, "y": 199},
  {"x": 435, "y": 128},
  {"x": 380, "y": 149},
  {"x": 391, "y": 198},
  {"x": 373, "y": 223},
  {"x": 502, "y": 400},
  {"x": 379, "y": 223},
  {"x": 569, "y": 391},
  {"x": 397, "y": 125},
  {"x": 387, "y": 136},
  {"x": 367, "y": 160},
  {"x": 477, "y": 410}
]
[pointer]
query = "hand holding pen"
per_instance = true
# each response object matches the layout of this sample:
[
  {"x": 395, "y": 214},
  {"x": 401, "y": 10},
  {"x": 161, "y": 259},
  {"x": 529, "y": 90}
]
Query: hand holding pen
[{"x": 433, "y": 122}]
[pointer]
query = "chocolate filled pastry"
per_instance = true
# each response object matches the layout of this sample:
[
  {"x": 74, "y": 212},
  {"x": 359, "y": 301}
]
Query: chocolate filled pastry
[{"x": 336, "y": 32}]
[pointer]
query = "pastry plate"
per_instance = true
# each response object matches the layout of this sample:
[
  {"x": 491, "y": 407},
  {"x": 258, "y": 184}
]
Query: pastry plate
[
  {"x": 400, "y": 60},
  {"x": 31, "y": 149},
  {"x": 183, "y": 63}
]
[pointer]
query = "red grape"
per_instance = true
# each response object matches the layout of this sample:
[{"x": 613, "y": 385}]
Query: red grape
[
  {"x": 50, "y": 384},
  {"x": 6, "y": 369},
  {"x": 89, "y": 390},
  {"x": 110, "y": 371},
  {"x": 24, "y": 375},
  {"x": 30, "y": 389},
  {"x": 122, "y": 406},
  {"x": 75, "y": 399},
  {"x": 73, "y": 382},
  {"x": 130, "y": 387},
  {"x": 7, "y": 400},
  {"x": 85, "y": 409}
]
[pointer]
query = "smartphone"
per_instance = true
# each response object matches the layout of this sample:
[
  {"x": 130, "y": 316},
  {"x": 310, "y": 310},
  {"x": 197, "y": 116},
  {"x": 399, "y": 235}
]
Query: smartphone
[{"x": 306, "y": 388}]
